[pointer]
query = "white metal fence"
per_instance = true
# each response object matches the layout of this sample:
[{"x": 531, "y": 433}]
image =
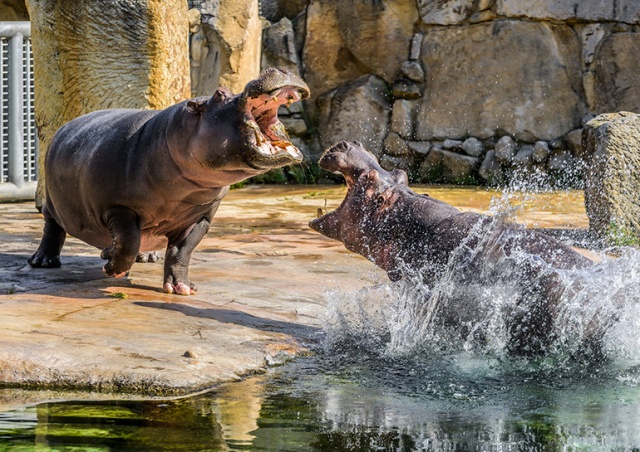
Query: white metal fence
[{"x": 18, "y": 136}]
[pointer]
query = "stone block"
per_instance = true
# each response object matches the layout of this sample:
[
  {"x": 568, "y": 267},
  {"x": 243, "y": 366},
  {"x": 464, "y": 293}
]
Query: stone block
[
  {"x": 402, "y": 117},
  {"x": 279, "y": 47},
  {"x": 616, "y": 67},
  {"x": 458, "y": 168},
  {"x": 395, "y": 145},
  {"x": 541, "y": 151},
  {"x": 419, "y": 147},
  {"x": 574, "y": 142},
  {"x": 234, "y": 32},
  {"x": 390, "y": 163},
  {"x": 343, "y": 41},
  {"x": 473, "y": 147},
  {"x": 612, "y": 197},
  {"x": 524, "y": 156},
  {"x": 529, "y": 90},
  {"x": 413, "y": 71},
  {"x": 505, "y": 149},
  {"x": 430, "y": 170},
  {"x": 586, "y": 10},
  {"x": 358, "y": 110},
  {"x": 451, "y": 12},
  {"x": 490, "y": 169}
]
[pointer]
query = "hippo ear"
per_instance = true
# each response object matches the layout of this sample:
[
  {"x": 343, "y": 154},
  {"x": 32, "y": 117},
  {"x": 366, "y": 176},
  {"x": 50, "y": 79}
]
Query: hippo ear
[
  {"x": 196, "y": 105},
  {"x": 399, "y": 177},
  {"x": 221, "y": 95}
]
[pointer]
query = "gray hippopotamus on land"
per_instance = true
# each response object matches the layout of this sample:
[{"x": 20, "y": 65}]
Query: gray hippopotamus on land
[
  {"x": 128, "y": 180},
  {"x": 406, "y": 234}
]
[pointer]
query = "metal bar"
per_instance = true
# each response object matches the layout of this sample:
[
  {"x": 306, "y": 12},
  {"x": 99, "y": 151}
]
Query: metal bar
[
  {"x": 11, "y": 192},
  {"x": 16, "y": 88},
  {"x": 8, "y": 29}
]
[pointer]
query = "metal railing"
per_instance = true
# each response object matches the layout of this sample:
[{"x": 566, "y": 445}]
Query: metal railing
[{"x": 18, "y": 136}]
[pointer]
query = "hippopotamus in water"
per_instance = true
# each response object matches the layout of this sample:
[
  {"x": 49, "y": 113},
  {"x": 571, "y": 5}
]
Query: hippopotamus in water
[
  {"x": 128, "y": 180},
  {"x": 406, "y": 234}
]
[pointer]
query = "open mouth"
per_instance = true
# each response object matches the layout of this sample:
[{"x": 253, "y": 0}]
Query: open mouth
[{"x": 268, "y": 138}]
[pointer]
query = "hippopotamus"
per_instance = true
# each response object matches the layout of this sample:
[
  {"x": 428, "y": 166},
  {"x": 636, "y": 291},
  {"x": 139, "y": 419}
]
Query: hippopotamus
[
  {"x": 130, "y": 181},
  {"x": 406, "y": 233}
]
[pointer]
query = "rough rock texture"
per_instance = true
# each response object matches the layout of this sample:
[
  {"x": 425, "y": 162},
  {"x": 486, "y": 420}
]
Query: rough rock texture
[
  {"x": 13, "y": 10},
  {"x": 486, "y": 77},
  {"x": 612, "y": 197},
  {"x": 274, "y": 10},
  {"x": 279, "y": 47},
  {"x": 616, "y": 67},
  {"x": 343, "y": 40},
  {"x": 449, "y": 12},
  {"x": 359, "y": 111},
  {"x": 234, "y": 34},
  {"x": 146, "y": 65},
  {"x": 596, "y": 10}
]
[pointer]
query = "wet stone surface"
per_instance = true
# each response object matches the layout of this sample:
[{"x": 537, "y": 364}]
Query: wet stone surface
[{"x": 261, "y": 274}]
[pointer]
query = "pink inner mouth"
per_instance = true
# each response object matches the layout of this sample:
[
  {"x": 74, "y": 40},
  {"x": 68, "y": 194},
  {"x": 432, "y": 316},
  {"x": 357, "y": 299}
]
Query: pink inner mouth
[{"x": 262, "y": 111}]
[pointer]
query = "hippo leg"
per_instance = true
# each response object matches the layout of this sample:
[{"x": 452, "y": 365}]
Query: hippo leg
[
  {"x": 176, "y": 262},
  {"x": 48, "y": 253},
  {"x": 125, "y": 234}
]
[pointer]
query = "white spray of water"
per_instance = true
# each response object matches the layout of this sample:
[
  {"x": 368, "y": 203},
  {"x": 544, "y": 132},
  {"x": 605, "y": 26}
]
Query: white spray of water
[{"x": 471, "y": 307}]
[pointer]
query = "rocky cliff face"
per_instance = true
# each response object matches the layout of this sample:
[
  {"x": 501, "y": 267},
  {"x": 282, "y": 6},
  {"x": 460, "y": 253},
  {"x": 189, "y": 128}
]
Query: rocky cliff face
[{"x": 453, "y": 90}]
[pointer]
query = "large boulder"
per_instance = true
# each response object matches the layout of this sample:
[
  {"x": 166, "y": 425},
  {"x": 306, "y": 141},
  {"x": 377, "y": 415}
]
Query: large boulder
[
  {"x": 279, "y": 47},
  {"x": 359, "y": 110},
  {"x": 612, "y": 197},
  {"x": 586, "y": 10},
  {"x": 234, "y": 33},
  {"x": 93, "y": 55},
  {"x": 528, "y": 90},
  {"x": 616, "y": 67},
  {"x": 344, "y": 40}
]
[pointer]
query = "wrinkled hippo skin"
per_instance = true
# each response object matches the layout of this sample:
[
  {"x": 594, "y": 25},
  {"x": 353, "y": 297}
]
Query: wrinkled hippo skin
[
  {"x": 406, "y": 234},
  {"x": 129, "y": 181}
]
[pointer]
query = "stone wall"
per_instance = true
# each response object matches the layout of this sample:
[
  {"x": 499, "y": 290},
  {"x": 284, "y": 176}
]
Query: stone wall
[{"x": 460, "y": 90}]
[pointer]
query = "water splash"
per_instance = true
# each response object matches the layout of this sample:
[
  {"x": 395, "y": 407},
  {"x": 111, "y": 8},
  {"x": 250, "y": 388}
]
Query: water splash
[{"x": 479, "y": 303}]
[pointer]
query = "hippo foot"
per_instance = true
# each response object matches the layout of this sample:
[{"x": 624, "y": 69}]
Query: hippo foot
[
  {"x": 43, "y": 260},
  {"x": 179, "y": 289},
  {"x": 147, "y": 257},
  {"x": 108, "y": 270}
]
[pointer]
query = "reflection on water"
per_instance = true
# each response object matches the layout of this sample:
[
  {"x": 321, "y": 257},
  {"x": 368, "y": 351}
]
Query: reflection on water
[{"x": 354, "y": 403}]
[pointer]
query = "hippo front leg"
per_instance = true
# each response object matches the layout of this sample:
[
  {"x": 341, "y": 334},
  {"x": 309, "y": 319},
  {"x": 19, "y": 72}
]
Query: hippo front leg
[
  {"x": 176, "y": 262},
  {"x": 124, "y": 227}
]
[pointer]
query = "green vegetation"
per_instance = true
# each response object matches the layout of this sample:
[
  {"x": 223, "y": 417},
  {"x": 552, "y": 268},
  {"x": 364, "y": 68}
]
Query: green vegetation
[
  {"x": 619, "y": 235},
  {"x": 119, "y": 295}
]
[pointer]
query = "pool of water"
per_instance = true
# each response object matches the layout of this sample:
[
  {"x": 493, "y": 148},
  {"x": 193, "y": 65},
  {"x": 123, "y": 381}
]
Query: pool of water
[{"x": 348, "y": 402}]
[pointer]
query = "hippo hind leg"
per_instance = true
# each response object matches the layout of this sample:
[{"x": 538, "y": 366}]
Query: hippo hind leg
[
  {"x": 124, "y": 228},
  {"x": 48, "y": 253},
  {"x": 178, "y": 255}
]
